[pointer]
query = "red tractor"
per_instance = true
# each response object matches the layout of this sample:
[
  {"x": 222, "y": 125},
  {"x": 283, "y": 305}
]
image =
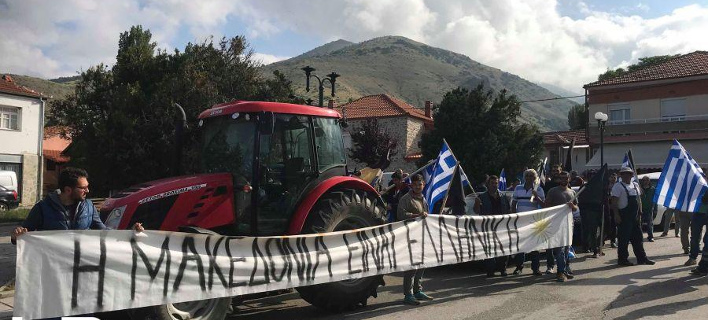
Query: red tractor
[{"x": 268, "y": 169}]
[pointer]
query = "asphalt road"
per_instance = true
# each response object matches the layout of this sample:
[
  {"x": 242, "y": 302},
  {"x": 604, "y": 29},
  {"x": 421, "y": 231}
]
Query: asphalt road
[{"x": 600, "y": 290}]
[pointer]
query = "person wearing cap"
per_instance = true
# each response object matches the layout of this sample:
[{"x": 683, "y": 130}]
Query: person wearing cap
[{"x": 626, "y": 205}]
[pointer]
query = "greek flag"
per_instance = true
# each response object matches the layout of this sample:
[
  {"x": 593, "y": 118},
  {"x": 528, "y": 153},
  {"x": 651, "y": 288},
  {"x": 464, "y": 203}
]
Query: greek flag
[
  {"x": 682, "y": 182},
  {"x": 627, "y": 162},
  {"x": 541, "y": 171},
  {"x": 502, "y": 181},
  {"x": 438, "y": 181}
]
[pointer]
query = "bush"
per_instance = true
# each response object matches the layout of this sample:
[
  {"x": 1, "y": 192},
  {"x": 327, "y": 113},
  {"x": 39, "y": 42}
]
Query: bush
[{"x": 14, "y": 215}]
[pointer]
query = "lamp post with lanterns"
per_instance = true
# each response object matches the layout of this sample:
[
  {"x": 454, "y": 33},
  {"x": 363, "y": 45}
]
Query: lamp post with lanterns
[
  {"x": 601, "y": 120},
  {"x": 331, "y": 78}
]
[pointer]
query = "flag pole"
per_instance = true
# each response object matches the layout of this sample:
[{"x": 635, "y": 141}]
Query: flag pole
[
  {"x": 458, "y": 163},
  {"x": 449, "y": 186}
]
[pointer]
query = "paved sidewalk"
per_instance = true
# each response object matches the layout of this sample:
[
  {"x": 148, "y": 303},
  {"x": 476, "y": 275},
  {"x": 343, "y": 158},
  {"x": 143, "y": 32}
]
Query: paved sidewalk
[{"x": 6, "y": 305}]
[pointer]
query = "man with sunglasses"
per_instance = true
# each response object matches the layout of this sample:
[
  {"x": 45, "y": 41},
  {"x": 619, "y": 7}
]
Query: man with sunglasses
[{"x": 67, "y": 209}]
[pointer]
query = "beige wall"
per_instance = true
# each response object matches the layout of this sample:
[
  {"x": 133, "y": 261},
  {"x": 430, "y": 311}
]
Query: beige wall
[
  {"x": 30, "y": 163},
  {"x": 651, "y": 109}
]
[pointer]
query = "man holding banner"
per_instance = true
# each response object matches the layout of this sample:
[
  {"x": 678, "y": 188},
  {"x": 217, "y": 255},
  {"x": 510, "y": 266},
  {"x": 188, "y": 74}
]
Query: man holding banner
[
  {"x": 411, "y": 206},
  {"x": 626, "y": 206}
]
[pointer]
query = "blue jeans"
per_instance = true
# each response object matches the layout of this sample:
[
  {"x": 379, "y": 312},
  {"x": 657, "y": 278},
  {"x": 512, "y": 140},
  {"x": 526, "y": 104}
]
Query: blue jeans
[
  {"x": 648, "y": 220},
  {"x": 698, "y": 221},
  {"x": 561, "y": 256}
]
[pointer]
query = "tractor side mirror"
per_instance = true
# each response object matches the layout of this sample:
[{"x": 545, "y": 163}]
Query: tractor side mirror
[{"x": 266, "y": 122}]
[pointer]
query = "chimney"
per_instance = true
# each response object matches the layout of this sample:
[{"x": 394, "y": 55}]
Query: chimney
[
  {"x": 428, "y": 107},
  {"x": 331, "y": 104}
]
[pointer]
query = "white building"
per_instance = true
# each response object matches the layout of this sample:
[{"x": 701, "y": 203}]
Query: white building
[{"x": 21, "y": 126}]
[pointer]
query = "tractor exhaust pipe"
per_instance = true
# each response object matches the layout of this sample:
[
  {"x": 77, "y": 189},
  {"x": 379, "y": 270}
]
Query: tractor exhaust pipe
[{"x": 180, "y": 125}]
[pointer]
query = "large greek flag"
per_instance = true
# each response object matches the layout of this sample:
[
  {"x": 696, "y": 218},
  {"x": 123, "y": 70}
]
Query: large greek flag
[
  {"x": 437, "y": 182},
  {"x": 682, "y": 182}
]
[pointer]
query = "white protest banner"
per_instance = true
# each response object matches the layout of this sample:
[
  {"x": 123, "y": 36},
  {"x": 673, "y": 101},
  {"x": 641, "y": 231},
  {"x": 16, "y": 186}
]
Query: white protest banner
[{"x": 62, "y": 273}]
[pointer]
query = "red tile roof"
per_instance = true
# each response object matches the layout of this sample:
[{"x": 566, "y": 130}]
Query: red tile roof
[
  {"x": 7, "y": 85},
  {"x": 691, "y": 64},
  {"x": 54, "y": 144},
  {"x": 565, "y": 137},
  {"x": 380, "y": 105}
]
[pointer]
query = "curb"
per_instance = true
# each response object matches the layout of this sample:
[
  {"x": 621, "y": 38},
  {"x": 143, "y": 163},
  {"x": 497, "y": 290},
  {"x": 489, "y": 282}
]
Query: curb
[{"x": 4, "y": 224}]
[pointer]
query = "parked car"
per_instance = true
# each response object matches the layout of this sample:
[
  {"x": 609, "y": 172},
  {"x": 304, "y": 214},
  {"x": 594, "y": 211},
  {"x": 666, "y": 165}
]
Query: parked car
[
  {"x": 8, "y": 179},
  {"x": 8, "y": 199},
  {"x": 654, "y": 178}
]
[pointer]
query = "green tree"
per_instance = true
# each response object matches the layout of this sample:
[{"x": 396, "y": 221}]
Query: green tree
[
  {"x": 577, "y": 117},
  {"x": 483, "y": 131},
  {"x": 643, "y": 62},
  {"x": 121, "y": 119},
  {"x": 370, "y": 143}
]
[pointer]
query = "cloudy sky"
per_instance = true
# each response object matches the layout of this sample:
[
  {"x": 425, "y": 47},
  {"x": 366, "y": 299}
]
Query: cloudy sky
[{"x": 566, "y": 43}]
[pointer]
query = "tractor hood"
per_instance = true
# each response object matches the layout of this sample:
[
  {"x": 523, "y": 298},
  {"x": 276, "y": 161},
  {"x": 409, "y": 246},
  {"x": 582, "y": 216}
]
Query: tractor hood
[{"x": 204, "y": 200}]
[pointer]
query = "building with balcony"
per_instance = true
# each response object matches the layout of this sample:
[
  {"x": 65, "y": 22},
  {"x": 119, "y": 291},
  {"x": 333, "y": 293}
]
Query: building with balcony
[{"x": 648, "y": 109}]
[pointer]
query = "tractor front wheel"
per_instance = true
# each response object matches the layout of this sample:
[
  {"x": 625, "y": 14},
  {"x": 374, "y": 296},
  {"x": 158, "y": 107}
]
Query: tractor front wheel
[{"x": 343, "y": 209}]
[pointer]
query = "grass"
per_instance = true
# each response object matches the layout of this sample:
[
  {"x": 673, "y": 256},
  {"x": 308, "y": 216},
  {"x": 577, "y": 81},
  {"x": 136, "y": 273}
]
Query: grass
[{"x": 14, "y": 215}]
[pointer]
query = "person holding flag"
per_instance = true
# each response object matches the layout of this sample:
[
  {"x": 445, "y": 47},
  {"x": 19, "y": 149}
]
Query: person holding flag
[{"x": 627, "y": 208}]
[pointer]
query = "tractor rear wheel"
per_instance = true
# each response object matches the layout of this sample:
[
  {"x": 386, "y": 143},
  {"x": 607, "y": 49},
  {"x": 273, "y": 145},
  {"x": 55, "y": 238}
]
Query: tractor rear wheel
[
  {"x": 211, "y": 309},
  {"x": 343, "y": 209}
]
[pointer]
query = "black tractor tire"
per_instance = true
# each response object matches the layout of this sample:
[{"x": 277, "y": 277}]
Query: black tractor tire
[
  {"x": 212, "y": 309},
  {"x": 343, "y": 209}
]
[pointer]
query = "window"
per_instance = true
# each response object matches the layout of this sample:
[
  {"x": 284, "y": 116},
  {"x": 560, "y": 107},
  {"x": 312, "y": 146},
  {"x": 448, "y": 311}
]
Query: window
[
  {"x": 329, "y": 143},
  {"x": 9, "y": 118},
  {"x": 673, "y": 109},
  {"x": 619, "y": 114}
]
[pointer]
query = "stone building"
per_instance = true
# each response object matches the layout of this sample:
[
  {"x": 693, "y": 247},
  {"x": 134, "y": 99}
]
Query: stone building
[
  {"x": 401, "y": 120},
  {"x": 21, "y": 131}
]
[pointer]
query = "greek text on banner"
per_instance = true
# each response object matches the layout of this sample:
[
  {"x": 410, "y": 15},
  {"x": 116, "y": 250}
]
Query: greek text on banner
[{"x": 61, "y": 273}]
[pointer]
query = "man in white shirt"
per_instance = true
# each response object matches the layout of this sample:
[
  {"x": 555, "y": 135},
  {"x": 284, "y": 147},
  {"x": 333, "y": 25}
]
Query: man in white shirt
[
  {"x": 527, "y": 197},
  {"x": 627, "y": 208}
]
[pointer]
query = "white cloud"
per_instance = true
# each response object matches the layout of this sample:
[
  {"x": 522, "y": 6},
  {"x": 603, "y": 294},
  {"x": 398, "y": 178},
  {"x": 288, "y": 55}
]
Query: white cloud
[
  {"x": 529, "y": 38},
  {"x": 267, "y": 58}
]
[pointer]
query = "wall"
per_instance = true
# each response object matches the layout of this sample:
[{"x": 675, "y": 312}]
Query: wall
[
  {"x": 26, "y": 139},
  {"x": 24, "y": 143}
]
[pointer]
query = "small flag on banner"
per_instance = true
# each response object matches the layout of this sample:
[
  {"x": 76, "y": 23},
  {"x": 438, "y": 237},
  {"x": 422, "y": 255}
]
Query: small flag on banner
[
  {"x": 682, "y": 182},
  {"x": 502, "y": 181},
  {"x": 439, "y": 181}
]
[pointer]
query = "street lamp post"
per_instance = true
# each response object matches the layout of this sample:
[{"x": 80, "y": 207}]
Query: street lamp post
[
  {"x": 331, "y": 78},
  {"x": 601, "y": 120}
]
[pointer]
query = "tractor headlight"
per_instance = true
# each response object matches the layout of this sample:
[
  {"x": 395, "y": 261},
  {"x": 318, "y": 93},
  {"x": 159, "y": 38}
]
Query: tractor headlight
[{"x": 114, "y": 217}]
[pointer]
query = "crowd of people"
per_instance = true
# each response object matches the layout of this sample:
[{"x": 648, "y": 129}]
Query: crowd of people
[{"x": 628, "y": 211}]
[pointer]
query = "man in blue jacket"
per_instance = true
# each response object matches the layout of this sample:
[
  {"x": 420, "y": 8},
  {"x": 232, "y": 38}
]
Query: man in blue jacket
[{"x": 65, "y": 210}]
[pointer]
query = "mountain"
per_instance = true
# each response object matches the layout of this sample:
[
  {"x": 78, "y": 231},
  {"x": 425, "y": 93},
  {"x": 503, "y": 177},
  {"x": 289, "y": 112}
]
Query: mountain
[
  {"x": 414, "y": 72},
  {"x": 577, "y": 97},
  {"x": 55, "y": 88}
]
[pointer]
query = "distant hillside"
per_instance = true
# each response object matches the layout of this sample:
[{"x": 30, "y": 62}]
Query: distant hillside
[
  {"x": 415, "y": 72},
  {"x": 56, "y": 88}
]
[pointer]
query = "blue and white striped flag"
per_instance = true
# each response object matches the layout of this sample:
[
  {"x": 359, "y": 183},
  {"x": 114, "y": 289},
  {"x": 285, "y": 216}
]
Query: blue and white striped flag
[
  {"x": 626, "y": 162},
  {"x": 438, "y": 181},
  {"x": 502, "y": 181},
  {"x": 682, "y": 182}
]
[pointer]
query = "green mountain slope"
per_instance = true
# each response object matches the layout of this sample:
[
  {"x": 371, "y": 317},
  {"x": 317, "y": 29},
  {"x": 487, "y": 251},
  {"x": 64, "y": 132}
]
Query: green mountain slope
[
  {"x": 55, "y": 88},
  {"x": 415, "y": 72}
]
